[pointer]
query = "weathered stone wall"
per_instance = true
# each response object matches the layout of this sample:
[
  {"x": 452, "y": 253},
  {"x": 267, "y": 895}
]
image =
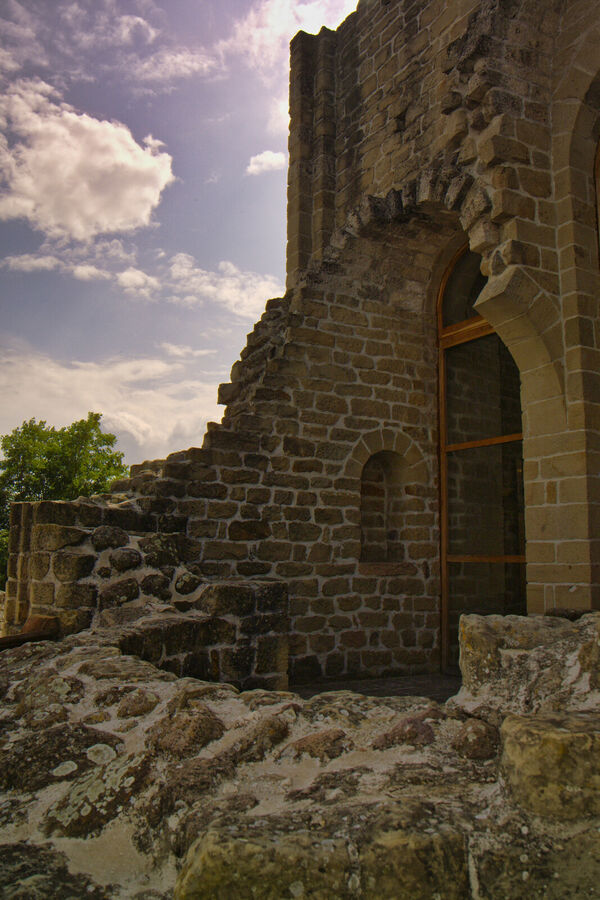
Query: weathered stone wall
[
  {"x": 415, "y": 128},
  {"x": 106, "y": 576},
  {"x": 491, "y": 109}
]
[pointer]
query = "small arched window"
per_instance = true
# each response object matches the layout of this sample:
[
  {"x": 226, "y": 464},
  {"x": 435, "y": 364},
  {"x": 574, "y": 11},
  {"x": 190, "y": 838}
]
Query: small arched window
[{"x": 381, "y": 493}]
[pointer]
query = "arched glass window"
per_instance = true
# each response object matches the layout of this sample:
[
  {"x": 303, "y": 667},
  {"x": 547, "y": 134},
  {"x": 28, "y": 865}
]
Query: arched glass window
[{"x": 481, "y": 460}]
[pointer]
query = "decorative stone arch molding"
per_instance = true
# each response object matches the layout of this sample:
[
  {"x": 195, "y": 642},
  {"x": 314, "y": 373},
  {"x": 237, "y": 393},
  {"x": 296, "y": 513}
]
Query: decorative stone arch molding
[
  {"x": 518, "y": 309},
  {"x": 576, "y": 137},
  {"x": 394, "y": 441}
]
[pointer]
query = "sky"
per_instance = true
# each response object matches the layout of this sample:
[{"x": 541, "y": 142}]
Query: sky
[{"x": 143, "y": 156}]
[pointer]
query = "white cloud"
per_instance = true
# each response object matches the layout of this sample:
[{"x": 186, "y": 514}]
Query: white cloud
[
  {"x": 153, "y": 143},
  {"x": 169, "y": 64},
  {"x": 241, "y": 292},
  {"x": 89, "y": 273},
  {"x": 128, "y": 28},
  {"x": 98, "y": 26},
  {"x": 70, "y": 35},
  {"x": 183, "y": 351},
  {"x": 262, "y": 37},
  {"x": 8, "y": 63},
  {"x": 71, "y": 175},
  {"x": 179, "y": 280},
  {"x": 19, "y": 40},
  {"x": 279, "y": 116},
  {"x": 93, "y": 261},
  {"x": 267, "y": 161},
  {"x": 113, "y": 250},
  {"x": 134, "y": 281},
  {"x": 30, "y": 262},
  {"x": 154, "y": 405}
]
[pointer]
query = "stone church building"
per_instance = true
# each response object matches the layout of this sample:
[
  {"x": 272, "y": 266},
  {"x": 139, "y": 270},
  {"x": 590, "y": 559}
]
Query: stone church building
[{"x": 413, "y": 431}]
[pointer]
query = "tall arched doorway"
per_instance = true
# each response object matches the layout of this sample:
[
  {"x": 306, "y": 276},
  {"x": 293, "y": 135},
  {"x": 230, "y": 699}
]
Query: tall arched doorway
[{"x": 481, "y": 461}]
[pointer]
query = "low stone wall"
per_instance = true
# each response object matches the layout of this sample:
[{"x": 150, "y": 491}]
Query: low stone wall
[
  {"x": 55, "y": 564},
  {"x": 94, "y": 564},
  {"x": 236, "y": 633}
]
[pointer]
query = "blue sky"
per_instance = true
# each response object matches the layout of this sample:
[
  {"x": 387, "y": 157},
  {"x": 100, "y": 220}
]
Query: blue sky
[{"x": 143, "y": 154}]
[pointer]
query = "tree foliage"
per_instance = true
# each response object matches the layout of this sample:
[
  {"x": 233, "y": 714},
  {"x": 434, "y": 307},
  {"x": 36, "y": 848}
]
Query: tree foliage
[{"x": 41, "y": 462}]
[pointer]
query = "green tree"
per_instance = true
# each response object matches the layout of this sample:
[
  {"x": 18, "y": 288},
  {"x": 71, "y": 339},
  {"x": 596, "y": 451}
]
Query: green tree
[{"x": 41, "y": 462}]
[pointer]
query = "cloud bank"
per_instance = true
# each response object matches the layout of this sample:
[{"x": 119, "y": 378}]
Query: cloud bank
[
  {"x": 70, "y": 175},
  {"x": 177, "y": 280},
  {"x": 154, "y": 404},
  {"x": 267, "y": 161},
  {"x": 241, "y": 292},
  {"x": 262, "y": 36}
]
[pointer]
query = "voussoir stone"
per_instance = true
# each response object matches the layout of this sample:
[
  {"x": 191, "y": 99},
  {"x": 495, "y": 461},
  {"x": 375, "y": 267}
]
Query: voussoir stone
[{"x": 551, "y": 763}]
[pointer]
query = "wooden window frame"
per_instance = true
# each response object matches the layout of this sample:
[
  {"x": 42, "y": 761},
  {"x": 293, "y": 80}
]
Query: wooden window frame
[{"x": 451, "y": 336}]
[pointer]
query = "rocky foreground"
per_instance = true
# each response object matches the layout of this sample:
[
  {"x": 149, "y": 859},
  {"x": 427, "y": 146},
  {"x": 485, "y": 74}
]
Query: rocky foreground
[{"x": 122, "y": 780}]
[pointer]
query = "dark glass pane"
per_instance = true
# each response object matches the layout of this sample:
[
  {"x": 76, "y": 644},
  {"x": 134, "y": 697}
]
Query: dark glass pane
[
  {"x": 485, "y": 501},
  {"x": 483, "y": 391},
  {"x": 462, "y": 289},
  {"x": 483, "y": 588}
]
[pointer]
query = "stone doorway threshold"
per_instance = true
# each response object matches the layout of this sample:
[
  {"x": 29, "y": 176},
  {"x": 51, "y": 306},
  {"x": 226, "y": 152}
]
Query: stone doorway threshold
[{"x": 436, "y": 687}]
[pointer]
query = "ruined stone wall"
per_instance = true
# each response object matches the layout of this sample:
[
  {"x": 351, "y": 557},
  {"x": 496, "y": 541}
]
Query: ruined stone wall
[
  {"x": 413, "y": 96},
  {"x": 416, "y": 128},
  {"x": 275, "y": 492},
  {"x": 492, "y": 109}
]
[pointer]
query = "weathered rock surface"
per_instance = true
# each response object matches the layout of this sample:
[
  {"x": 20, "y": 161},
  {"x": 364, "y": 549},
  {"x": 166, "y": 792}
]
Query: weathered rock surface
[
  {"x": 38, "y": 872},
  {"x": 184, "y": 734},
  {"x": 351, "y": 851},
  {"x": 526, "y": 665},
  {"x": 552, "y": 763},
  {"x": 122, "y": 780}
]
